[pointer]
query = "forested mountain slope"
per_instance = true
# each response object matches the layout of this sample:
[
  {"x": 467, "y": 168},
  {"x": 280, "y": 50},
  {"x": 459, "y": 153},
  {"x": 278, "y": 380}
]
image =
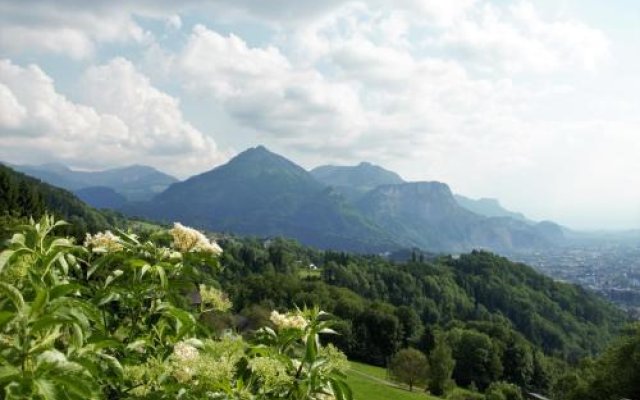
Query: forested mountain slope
[
  {"x": 526, "y": 325},
  {"x": 24, "y": 196},
  {"x": 261, "y": 193}
]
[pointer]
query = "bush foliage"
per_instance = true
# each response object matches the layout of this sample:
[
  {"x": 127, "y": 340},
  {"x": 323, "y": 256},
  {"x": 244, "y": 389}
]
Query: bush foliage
[{"x": 121, "y": 318}]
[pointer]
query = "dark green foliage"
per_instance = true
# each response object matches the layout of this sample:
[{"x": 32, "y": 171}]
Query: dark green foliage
[
  {"x": 560, "y": 318},
  {"x": 22, "y": 197},
  {"x": 477, "y": 358},
  {"x": 503, "y": 391},
  {"x": 383, "y": 306},
  {"x": 614, "y": 375},
  {"x": 441, "y": 364}
]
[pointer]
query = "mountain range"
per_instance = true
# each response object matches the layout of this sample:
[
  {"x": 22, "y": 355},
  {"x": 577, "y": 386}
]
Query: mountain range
[
  {"x": 363, "y": 208},
  {"x": 132, "y": 183}
]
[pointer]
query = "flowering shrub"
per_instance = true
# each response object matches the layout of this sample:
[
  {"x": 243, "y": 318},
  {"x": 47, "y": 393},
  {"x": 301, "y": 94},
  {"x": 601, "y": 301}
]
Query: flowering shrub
[{"x": 110, "y": 319}]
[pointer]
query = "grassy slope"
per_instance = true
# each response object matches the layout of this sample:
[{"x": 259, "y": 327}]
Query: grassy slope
[{"x": 370, "y": 383}]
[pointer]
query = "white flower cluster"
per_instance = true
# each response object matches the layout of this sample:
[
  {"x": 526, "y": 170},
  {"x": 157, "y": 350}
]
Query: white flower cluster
[
  {"x": 271, "y": 371},
  {"x": 288, "y": 321},
  {"x": 187, "y": 239},
  {"x": 103, "y": 242},
  {"x": 185, "y": 352}
]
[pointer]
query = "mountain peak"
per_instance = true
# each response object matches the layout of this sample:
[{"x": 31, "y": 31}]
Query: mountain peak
[{"x": 260, "y": 160}]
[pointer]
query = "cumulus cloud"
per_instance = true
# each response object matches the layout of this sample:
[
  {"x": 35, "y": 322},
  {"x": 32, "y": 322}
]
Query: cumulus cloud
[
  {"x": 484, "y": 95},
  {"x": 518, "y": 39},
  {"x": 122, "y": 120},
  {"x": 76, "y": 28},
  {"x": 38, "y": 110},
  {"x": 262, "y": 89}
]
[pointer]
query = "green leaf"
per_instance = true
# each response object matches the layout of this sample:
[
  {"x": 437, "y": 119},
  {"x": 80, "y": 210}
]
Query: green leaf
[
  {"x": 17, "y": 238},
  {"x": 113, "y": 364},
  {"x": 5, "y": 256},
  {"x": 109, "y": 298},
  {"x": 75, "y": 386},
  {"x": 47, "y": 342},
  {"x": 61, "y": 242},
  {"x": 63, "y": 263},
  {"x": 8, "y": 373},
  {"x": 50, "y": 321},
  {"x": 13, "y": 294},
  {"x": 6, "y": 317},
  {"x": 78, "y": 336},
  {"x": 144, "y": 270},
  {"x": 46, "y": 389},
  {"x": 311, "y": 350},
  {"x": 163, "y": 277},
  {"x": 42, "y": 295},
  {"x": 64, "y": 289}
]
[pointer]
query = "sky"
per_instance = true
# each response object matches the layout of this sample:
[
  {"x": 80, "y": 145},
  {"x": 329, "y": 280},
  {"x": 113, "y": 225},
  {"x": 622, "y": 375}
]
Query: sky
[{"x": 532, "y": 102}]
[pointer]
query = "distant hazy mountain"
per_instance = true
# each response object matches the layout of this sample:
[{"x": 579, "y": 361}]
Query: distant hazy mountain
[
  {"x": 426, "y": 215},
  {"x": 135, "y": 183},
  {"x": 354, "y": 181},
  {"x": 24, "y": 196},
  {"x": 487, "y": 207},
  {"x": 261, "y": 193},
  {"x": 101, "y": 197}
]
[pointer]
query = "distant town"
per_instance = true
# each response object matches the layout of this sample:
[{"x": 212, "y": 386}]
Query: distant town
[{"x": 610, "y": 268}]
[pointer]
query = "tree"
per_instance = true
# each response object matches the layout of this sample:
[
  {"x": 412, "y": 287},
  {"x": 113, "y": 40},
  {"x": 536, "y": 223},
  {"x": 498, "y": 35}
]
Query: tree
[
  {"x": 477, "y": 358},
  {"x": 441, "y": 364},
  {"x": 409, "y": 366},
  {"x": 503, "y": 391},
  {"x": 411, "y": 325}
]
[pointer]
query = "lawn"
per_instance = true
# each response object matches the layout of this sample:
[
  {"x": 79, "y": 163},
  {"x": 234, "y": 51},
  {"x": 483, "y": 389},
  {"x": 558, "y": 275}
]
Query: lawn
[{"x": 370, "y": 383}]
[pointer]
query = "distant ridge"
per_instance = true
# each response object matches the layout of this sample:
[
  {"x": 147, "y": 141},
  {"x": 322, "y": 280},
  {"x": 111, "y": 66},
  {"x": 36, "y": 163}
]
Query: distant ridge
[
  {"x": 362, "y": 208},
  {"x": 487, "y": 207},
  {"x": 354, "y": 181},
  {"x": 24, "y": 196},
  {"x": 262, "y": 193},
  {"x": 134, "y": 182}
]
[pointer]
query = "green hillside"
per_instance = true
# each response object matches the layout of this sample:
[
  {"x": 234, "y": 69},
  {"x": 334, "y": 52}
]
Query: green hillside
[
  {"x": 370, "y": 383},
  {"x": 22, "y": 196},
  {"x": 502, "y": 321}
]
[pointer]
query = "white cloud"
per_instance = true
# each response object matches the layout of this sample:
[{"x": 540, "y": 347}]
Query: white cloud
[
  {"x": 73, "y": 28},
  {"x": 12, "y": 113},
  {"x": 173, "y": 21},
  {"x": 487, "y": 96},
  {"x": 124, "y": 120},
  {"x": 518, "y": 39},
  {"x": 262, "y": 89},
  {"x": 48, "y": 113}
]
